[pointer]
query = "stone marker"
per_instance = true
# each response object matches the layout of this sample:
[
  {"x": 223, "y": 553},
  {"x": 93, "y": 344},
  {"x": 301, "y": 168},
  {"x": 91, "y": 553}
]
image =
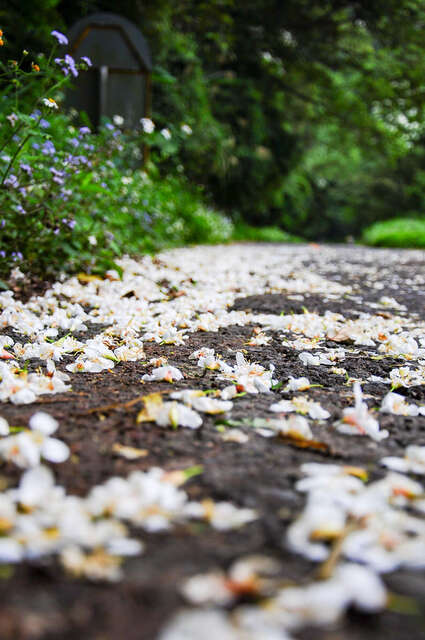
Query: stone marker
[{"x": 119, "y": 82}]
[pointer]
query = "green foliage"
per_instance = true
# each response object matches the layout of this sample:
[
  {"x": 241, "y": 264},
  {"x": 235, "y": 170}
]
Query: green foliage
[
  {"x": 300, "y": 110},
  {"x": 307, "y": 115},
  {"x": 70, "y": 199},
  {"x": 408, "y": 233},
  {"x": 247, "y": 233}
]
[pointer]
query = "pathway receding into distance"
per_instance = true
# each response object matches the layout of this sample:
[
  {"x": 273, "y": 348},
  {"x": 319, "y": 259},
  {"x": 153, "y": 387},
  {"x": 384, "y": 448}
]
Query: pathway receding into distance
[{"x": 225, "y": 443}]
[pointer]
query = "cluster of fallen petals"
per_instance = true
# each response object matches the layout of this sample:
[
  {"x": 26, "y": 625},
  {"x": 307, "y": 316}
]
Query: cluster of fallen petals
[
  {"x": 380, "y": 522},
  {"x": 358, "y": 420},
  {"x": 89, "y": 534},
  {"x": 278, "y": 607},
  {"x": 376, "y": 526},
  {"x": 375, "y": 533}
]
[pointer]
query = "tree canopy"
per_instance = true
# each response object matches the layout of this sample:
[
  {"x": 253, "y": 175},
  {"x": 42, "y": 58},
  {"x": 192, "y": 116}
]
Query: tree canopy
[{"x": 305, "y": 114}]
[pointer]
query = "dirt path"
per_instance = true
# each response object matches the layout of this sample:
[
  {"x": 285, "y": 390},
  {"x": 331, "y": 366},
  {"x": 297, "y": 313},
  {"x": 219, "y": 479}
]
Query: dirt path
[{"x": 284, "y": 297}]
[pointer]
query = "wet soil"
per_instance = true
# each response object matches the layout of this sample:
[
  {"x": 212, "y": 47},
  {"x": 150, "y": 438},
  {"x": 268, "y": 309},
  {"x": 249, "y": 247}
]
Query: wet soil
[{"x": 38, "y": 601}]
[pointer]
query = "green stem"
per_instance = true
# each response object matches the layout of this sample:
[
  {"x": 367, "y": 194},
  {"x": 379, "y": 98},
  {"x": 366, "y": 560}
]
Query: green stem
[
  {"x": 15, "y": 155},
  {"x": 14, "y": 133}
]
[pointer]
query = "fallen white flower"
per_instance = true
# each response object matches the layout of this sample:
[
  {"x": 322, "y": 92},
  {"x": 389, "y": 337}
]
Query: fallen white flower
[
  {"x": 26, "y": 448},
  {"x": 358, "y": 420},
  {"x": 166, "y": 373},
  {"x": 297, "y": 384},
  {"x": 174, "y": 414},
  {"x": 412, "y": 462},
  {"x": 301, "y": 405},
  {"x": 396, "y": 404}
]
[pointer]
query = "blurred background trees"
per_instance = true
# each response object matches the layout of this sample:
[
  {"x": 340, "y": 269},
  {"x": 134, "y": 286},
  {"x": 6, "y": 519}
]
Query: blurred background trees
[{"x": 306, "y": 114}]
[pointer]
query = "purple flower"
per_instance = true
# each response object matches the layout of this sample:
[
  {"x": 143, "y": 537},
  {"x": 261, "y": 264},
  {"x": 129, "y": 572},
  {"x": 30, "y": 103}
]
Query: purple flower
[
  {"x": 74, "y": 142},
  {"x": 44, "y": 124},
  {"x": 12, "y": 181},
  {"x": 65, "y": 70},
  {"x": 48, "y": 148},
  {"x": 65, "y": 193},
  {"x": 26, "y": 168},
  {"x": 67, "y": 65},
  {"x": 86, "y": 60},
  {"x": 69, "y": 60},
  {"x": 35, "y": 114},
  {"x": 71, "y": 224},
  {"x": 109, "y": 126},
  {"x": 57, "y": 175},
  {"x": 61, "y": 38},
  {"x": 70, "y": 159},
  {"x": 84, "y": 130},
  {"x": 2, "y": 254},
  {"x": 56, "y": 172},
  {"x": 35, "y": 145},
  {"x": 2, "y": 223},
  {"x": 20, "y": 209},
  {"x": 56, "y": 231}
]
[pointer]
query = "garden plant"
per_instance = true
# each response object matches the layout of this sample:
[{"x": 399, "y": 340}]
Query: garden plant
[{"x": 211, "y": 428}]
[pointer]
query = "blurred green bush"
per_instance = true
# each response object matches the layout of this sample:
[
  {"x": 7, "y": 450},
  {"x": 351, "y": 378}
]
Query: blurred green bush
[{"x": 407, "y": 233}]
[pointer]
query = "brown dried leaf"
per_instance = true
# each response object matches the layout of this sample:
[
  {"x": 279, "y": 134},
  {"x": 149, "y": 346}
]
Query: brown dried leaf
[
  {"x": 301, "y": 443},
  {"x": 153, "y": 403},
  {"x": 129, "y": 453}
]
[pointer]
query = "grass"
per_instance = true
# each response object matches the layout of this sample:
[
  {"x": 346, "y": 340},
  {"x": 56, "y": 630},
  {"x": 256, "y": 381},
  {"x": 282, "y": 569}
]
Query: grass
[
  {"x": 246, "y": 233},
  {"x": 398, "y": 232}
]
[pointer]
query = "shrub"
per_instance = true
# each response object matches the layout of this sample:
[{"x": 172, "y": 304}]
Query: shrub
[
  {"x": 246, "y": 233},
  {"x": 72, "y": 199},
  {"x": 398, "y": 232}
]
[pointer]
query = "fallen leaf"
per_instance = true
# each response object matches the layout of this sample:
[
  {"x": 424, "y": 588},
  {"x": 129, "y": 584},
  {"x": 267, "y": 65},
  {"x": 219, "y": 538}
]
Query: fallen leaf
[
  {"x": 235, "y": 435},
  {"x": 129, "y": 453},
  {"x": 152, "y": 403},
  {"x": 116, "y": 405},
  {"x": 403, "y": 604},
  {"x": 359, "y": 472},
  {"x": 86, "y": 277},
  {"x": 301, "y": 443},
  {"x": 181, "y": 476}
]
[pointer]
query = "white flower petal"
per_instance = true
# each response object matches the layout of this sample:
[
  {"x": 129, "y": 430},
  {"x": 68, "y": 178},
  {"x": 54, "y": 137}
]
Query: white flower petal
[
  {"x": 35, "y": 485},
  {"x": 54, "y": 450},
  {"x": 43, "y": 422}
]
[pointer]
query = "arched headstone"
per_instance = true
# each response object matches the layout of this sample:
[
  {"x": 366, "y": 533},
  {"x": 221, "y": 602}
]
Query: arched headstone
[{"x": 119, "y": 82}]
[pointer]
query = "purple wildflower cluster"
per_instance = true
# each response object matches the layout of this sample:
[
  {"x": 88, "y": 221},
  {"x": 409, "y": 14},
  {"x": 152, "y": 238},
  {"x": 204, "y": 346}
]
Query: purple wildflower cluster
[
  {"x": 70, "y": 67},
  {"x": 60, "y": 37},
  {"x": 67, "y": 65},
  {"x": 52, "y": 172}
]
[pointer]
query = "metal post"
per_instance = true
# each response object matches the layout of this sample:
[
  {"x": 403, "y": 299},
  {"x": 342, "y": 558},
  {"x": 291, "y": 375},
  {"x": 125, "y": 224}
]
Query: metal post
[
  {"x": 103, "y": 90},
  {"x": 148, "y": 111}
]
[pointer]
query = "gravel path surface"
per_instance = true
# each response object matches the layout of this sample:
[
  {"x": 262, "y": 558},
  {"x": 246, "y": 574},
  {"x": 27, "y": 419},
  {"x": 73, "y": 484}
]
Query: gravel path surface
[{"x": 237, "y": 450}]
